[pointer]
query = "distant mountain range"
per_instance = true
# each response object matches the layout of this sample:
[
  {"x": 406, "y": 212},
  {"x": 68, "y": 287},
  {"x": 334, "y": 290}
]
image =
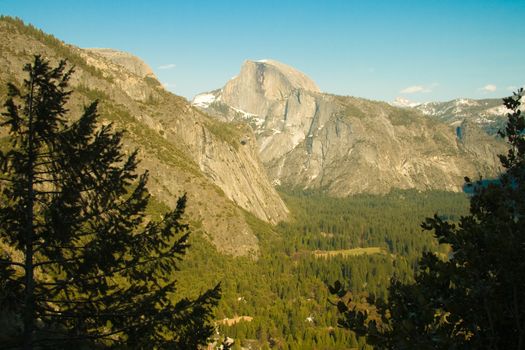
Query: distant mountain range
[
  {"x": 489, "y": 114},
  {"x": 268, "y": 126},
  {"x": 347, "y": 145}
]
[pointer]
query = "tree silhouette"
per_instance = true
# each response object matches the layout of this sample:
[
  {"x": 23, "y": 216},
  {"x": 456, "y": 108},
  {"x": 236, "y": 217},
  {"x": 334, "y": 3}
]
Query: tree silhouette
[
  {"x": 82, "y": 264},
  {"x": 475, "y": 298}
]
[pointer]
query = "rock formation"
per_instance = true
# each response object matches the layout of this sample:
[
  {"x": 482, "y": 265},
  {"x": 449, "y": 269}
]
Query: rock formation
[
  {"x": 183, "y": 149},
  {"x": 345, "y": 145}
]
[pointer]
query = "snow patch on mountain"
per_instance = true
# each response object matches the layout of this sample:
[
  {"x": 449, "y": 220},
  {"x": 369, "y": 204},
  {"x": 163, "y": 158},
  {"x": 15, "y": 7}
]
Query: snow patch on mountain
[
  {"x": 499, "y": 110},
  {"x": 203, "y": 100},
  {"x": 404, "y": 103}
]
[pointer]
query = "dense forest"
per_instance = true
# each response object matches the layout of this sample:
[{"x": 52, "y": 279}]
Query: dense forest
[{"x": 281, "y": 300}]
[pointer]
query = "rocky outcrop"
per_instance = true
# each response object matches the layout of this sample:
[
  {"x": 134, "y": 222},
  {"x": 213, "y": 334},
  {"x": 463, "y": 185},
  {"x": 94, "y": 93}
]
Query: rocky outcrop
[
  {"x": 261, "y": 83},
  {"x": 231, "y": 161},
  {"x": 127, "y": 72},
  {"x": 131, "y": 63},
  {"x": 184, "y": 150},
  {"x": 346, "y": 145}
]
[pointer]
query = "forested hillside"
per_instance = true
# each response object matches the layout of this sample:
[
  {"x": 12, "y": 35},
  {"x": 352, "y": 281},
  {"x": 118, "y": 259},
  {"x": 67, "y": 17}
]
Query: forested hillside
[
  {"x": 184, "y": 150},
  {"x": 282, "y": 300}
]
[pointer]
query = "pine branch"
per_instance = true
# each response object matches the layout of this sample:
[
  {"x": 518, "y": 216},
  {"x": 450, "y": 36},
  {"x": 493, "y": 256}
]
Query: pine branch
[{"x": 11, "y": 263}]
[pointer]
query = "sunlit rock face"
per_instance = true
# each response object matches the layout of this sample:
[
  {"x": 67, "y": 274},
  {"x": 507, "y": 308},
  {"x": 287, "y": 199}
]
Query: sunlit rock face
[
  {"x": 183, "y": 149},
  {"x": 342, "y": 144}
]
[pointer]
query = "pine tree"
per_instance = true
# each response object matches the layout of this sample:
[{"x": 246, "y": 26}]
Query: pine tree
[
  {"x": 474, "y": 299},
  {"x": 81, "y": 263}
]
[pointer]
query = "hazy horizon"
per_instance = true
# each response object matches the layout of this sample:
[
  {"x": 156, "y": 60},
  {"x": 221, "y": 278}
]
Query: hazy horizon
[{"x": 380, "y": 50}]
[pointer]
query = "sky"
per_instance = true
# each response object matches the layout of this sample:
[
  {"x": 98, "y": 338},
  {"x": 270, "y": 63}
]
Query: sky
[{"x": 426, "y": 50}]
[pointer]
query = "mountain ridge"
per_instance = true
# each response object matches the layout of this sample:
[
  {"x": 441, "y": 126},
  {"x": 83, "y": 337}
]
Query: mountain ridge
[
  {"x": 126, "y": 60},
  {"x": 184, "y": 149},
  {"x": 347, "y": 145},
  {"x": 489, "y": 114}
]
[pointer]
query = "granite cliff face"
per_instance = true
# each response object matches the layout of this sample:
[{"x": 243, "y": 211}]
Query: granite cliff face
[
  {"x": 129, "y": 73},
  {"x": 129, "y": 62},
  {"x": 185, "y": 150},
  {"x": 261, "y": 83},
  {"x": 346, "y": 145}
]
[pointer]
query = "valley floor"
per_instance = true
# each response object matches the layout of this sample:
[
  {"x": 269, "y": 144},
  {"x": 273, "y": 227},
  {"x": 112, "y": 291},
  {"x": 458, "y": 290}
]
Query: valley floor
[{"x": 281, "y": 300}]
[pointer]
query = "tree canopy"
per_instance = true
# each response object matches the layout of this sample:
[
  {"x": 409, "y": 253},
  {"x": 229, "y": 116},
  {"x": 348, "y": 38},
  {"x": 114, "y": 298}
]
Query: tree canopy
[
  {"x": 81, "y": 263},
  {"x": 473, "y": 298}
]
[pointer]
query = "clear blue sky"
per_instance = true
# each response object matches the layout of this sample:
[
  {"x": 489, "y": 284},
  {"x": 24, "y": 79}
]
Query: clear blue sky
[{"x": 422, "y": 50}]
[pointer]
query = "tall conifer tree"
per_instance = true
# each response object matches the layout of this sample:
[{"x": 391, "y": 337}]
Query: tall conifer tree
[
  {"x": 84, "y": 264},
  {"x": 475, "y": 298}
]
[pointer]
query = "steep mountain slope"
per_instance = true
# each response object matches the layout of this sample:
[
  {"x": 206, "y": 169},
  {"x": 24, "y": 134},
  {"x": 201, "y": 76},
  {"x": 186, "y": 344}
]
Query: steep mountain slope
[
  {"x": 342, "y": 144},
  {"x": 183, "y": 149}
]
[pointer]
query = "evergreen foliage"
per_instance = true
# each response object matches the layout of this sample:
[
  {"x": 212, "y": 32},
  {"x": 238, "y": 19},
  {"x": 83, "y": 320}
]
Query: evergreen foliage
[
  {"x": 285, "y": 289},
  {"x": 474, "y": 298},
  {"x": 81, "y": 264}
]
